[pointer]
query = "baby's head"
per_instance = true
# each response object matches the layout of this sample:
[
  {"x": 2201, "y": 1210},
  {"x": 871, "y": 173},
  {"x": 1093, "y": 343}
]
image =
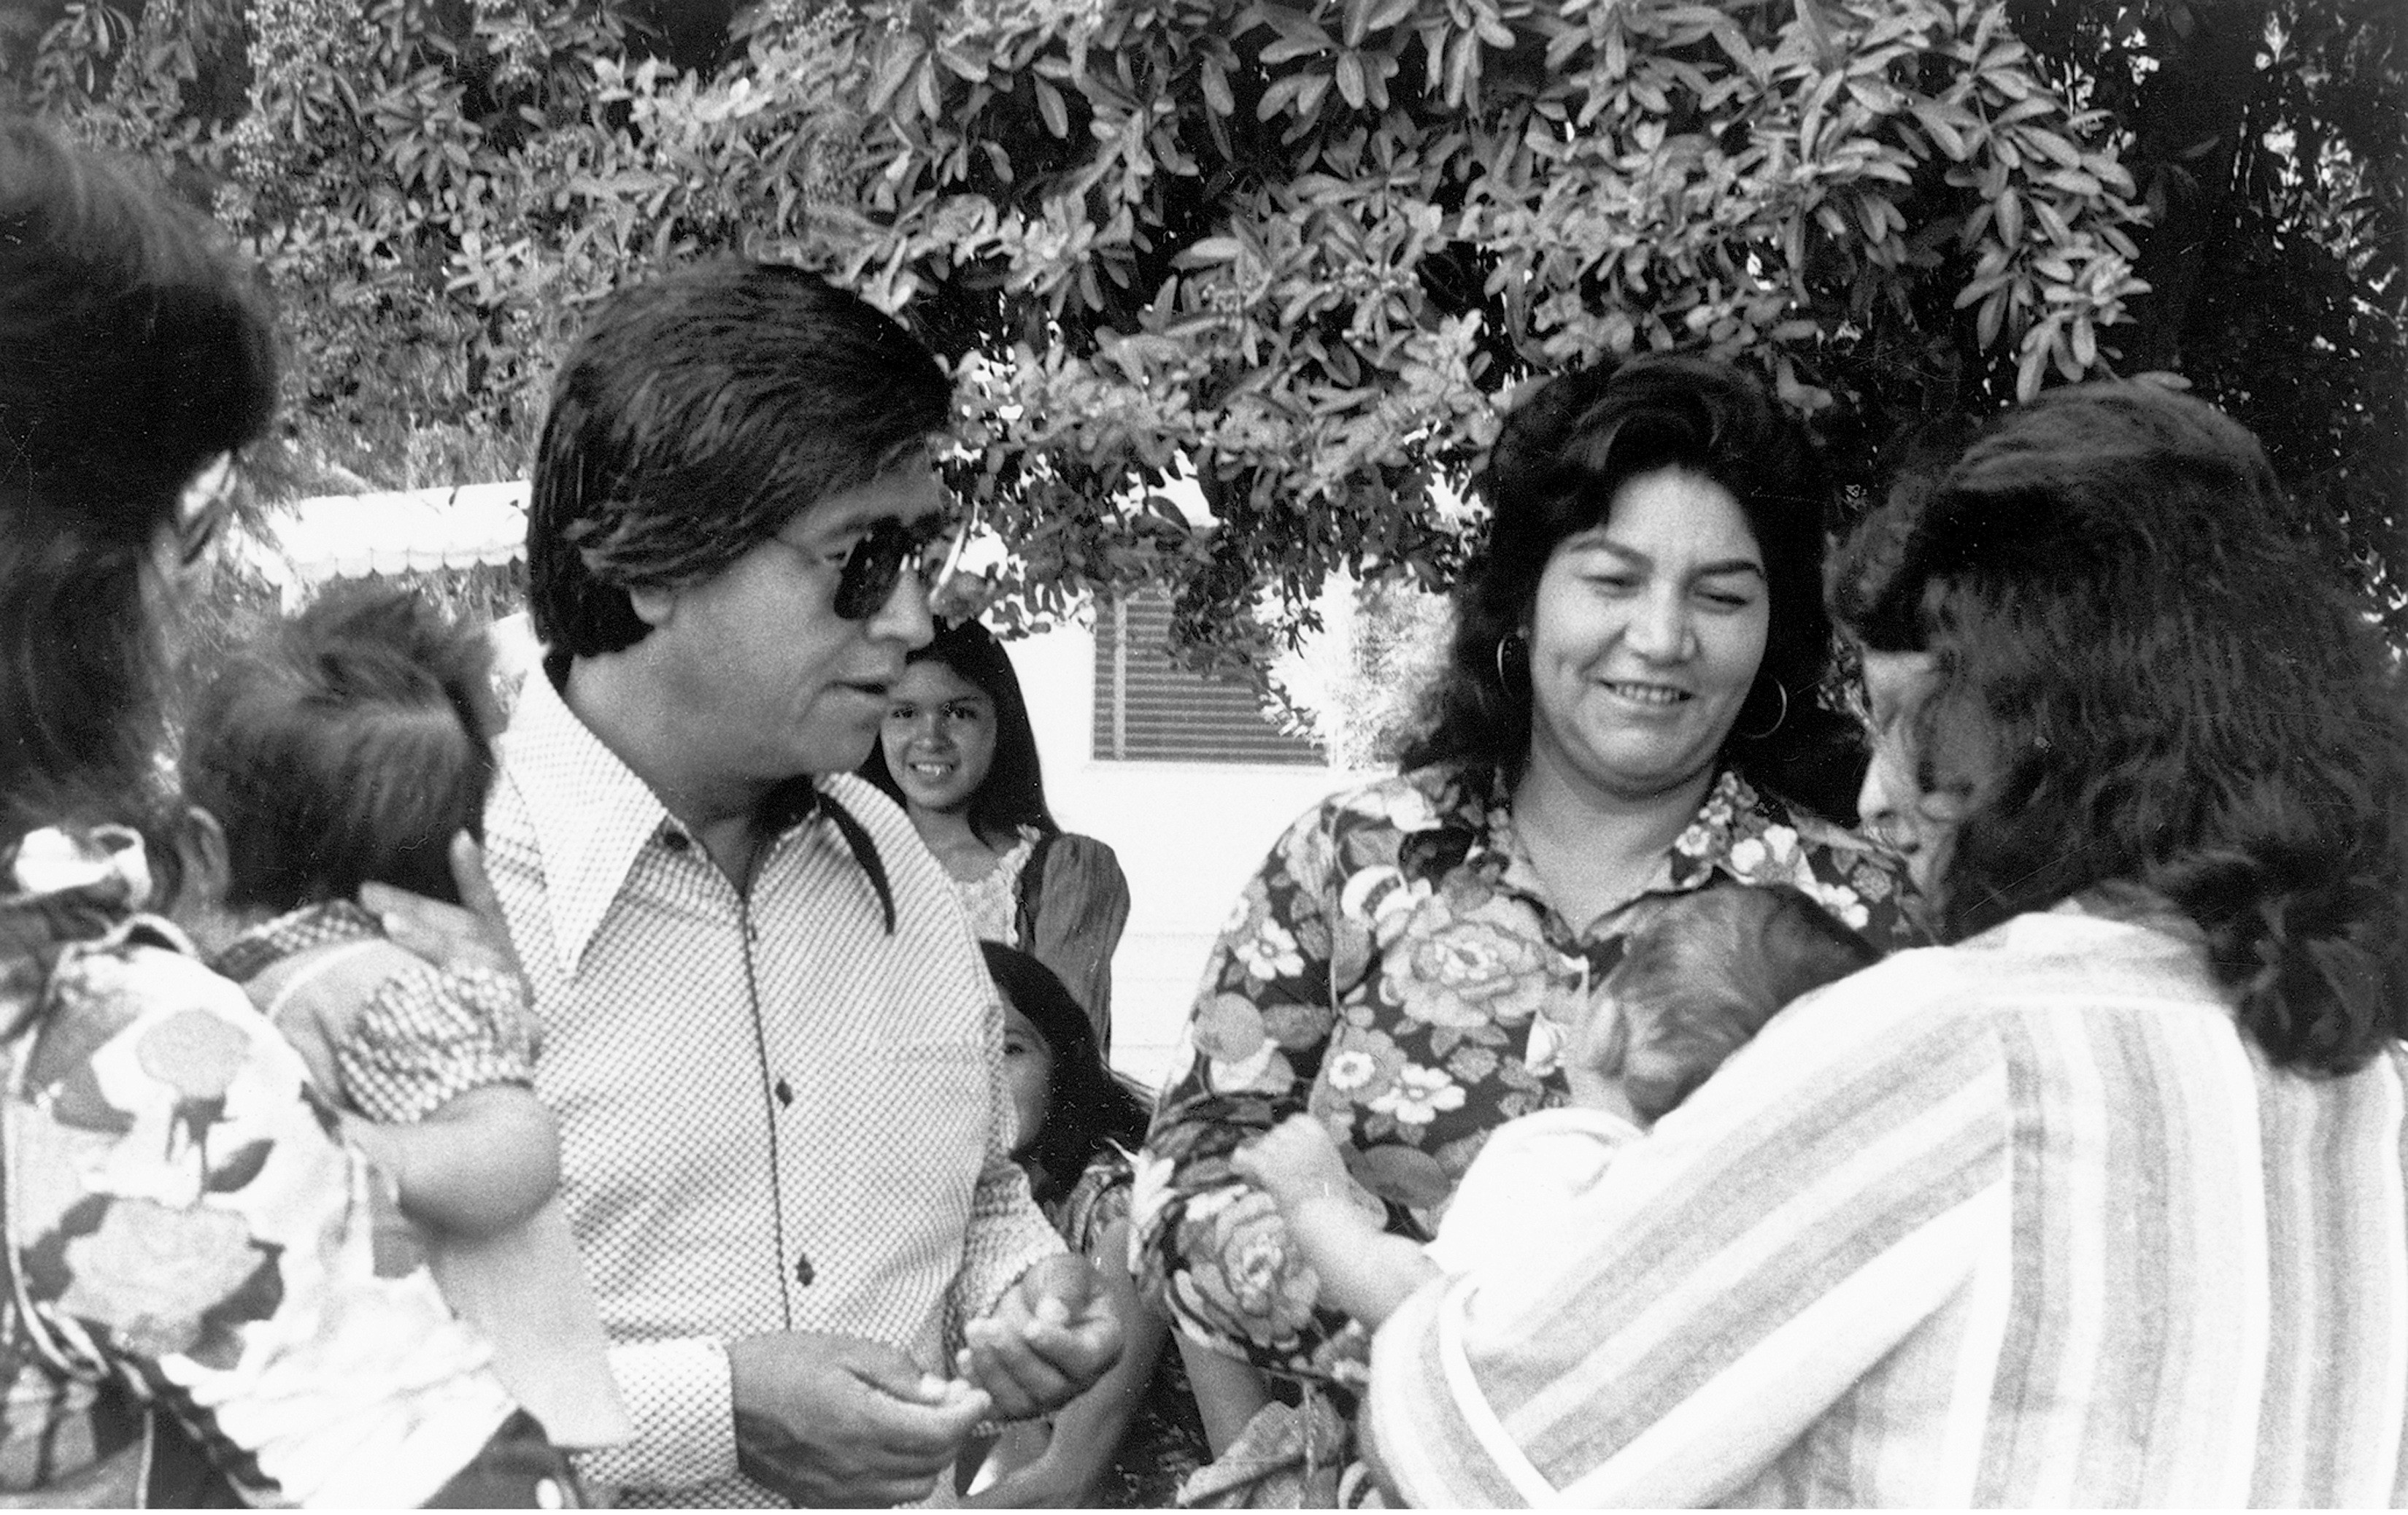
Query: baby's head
[
  {"x": 1704, "y": 972},
  {"x": 347, "y": 744}
]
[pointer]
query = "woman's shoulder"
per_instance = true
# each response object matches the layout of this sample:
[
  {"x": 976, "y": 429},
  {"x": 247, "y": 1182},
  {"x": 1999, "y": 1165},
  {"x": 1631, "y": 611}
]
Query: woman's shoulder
[
  {"x": 1759, "y": 837},
  {"x": 1440, "y": 796}
]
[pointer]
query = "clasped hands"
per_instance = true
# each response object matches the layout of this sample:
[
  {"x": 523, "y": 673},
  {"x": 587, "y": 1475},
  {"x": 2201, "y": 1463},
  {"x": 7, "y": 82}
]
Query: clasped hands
[{"x": 831, "y": 1420}]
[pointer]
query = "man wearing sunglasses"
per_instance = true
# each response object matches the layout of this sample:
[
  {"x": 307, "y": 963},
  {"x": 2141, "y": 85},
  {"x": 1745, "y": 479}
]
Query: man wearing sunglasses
[{"x": 774, "y": 1055}]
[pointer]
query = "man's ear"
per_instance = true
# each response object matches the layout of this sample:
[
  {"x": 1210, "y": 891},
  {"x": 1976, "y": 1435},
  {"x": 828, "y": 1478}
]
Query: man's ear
[{"x": 653, "y": 603}]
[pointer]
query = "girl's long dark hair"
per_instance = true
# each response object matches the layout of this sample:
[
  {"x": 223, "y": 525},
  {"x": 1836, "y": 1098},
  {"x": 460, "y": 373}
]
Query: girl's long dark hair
[
  {"x": 1014, "y": 793},
  {"x": 136, "y": 351},
  {"x": 1563, "y": 454},
  {"x": 2165, "y": 682},
  {"x": 1087, "y": 1105}
]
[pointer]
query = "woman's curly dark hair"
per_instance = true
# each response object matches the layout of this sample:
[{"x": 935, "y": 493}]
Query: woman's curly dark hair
[
  {"x": 1088, "y": 1104},
  {"x": 134, "y": 348},
  {"x": 1013, "y": 794},
  {"x": 1563, "y": 454},
  {"x": 2175, "y": 689}
]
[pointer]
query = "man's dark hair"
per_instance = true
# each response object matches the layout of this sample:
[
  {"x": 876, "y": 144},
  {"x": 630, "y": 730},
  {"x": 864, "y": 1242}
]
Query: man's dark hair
[
  {"x": 347, "y": 744},
  {"x": 696, "y": 415},
  {"x": 2170, "y": 685},
  {"x": 1013, "y": 794},
  {"x": 132, "y": 349}
]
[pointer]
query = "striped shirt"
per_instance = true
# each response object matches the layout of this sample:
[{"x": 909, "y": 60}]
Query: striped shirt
[
  {"x": 2023, "y": 1222},
  {"x": 774, "y": 1113}
]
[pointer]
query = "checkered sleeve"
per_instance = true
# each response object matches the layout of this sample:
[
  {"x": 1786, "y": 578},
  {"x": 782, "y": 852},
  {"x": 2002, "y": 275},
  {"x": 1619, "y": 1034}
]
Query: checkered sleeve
[
  {"x": 1008, "y": 1233},
  {"x": 427, "y": 1036},
  {"x": 679, "y": 1395}
]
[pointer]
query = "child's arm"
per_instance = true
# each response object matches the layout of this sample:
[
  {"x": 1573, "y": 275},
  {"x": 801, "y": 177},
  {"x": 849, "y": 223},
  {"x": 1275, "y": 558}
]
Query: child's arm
[
  {"x": 1088, "y": 1430},
  {"x": 482, "y": 1161},
  {"x": 1230, "y": 1391},
  {"x": 1364, "y": 1271}
]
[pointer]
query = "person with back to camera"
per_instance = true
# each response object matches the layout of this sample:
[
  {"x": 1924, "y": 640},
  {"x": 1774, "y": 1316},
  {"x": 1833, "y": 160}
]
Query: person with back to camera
[
  {"x": 1700, "y": 976},
  {"x": 2100, "y": 1205},
  {"x": 347, "y": 746},
  {"x": 958, "y": 753},
  {"x": 201, "y": 1311},
  {"x": 772, "y": 1048},
  {"x": 1636, "y": 647}
]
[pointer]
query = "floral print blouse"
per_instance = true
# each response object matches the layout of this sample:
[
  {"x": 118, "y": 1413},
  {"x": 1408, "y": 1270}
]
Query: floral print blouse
[
  {"x": 1396, "y": 969},
  {"x": 185, "y": 1230}
]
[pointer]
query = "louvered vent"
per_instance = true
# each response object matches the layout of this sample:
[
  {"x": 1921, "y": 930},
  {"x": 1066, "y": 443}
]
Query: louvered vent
[{"x": 1147, "y": 708}]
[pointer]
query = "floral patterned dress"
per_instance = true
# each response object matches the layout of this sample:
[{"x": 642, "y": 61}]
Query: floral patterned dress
[
  {"x": 184, "y": 1230},
  {"x": 1395, "y": 969}
]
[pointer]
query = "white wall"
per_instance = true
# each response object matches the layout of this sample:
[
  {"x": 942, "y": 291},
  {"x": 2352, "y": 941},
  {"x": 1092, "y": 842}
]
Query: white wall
[{"x": 1188, "y": 835}]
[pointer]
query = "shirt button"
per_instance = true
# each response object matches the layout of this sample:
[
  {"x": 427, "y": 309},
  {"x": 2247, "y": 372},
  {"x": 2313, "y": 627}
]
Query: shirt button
[
  {"x": 674, "y": 838},
  {"x": 803, "y": 1274},
  {"x": 785, "y": 1093}
]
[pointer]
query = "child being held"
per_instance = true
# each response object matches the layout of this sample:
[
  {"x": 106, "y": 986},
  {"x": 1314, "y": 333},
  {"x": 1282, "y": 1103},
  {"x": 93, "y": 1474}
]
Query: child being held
[
  {"x": 1699, "y": 976},
  {"x": 349, "y": 744}
]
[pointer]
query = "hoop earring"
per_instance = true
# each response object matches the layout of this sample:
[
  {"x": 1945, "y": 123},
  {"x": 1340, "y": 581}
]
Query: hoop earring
[
  {"x": 1503, "y": 682},
  {"x": 1783, "y": 690}
]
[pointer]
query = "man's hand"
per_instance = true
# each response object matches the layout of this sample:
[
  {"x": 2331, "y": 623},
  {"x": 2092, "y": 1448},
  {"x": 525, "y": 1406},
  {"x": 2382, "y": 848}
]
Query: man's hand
[
  {"x": 1054, "y": 1334},
  {"x": 829, "y": 1420},
  {"x": 474, "y": 935},
  {"x": 1293, "y": 1162}
]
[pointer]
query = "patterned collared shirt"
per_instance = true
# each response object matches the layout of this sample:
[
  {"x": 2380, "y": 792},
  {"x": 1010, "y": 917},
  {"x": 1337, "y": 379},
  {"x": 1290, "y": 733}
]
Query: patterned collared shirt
[
  {"x": 422, "y": 1039},
  {"x": 2027, "y": 1222},
  {"x": 776, "y": 1113},
  {"x": 1397, "y": 970}
]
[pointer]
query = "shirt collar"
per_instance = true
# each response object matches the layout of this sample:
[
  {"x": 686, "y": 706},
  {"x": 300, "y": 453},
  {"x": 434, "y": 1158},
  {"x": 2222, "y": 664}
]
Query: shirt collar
[
  {"x": 1469, "y": 820},
  {"x": 250, "y": 953},
  {"x": 590, "y": 813}
]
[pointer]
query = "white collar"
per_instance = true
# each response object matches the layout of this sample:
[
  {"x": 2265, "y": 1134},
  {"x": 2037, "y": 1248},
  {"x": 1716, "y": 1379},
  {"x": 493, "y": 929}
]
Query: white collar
[{"x": 592, "y": 814}]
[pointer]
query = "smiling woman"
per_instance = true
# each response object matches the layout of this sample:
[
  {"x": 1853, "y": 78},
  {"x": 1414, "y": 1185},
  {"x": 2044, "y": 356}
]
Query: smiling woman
[
  {"x": 1642, "y": 639},
  {"x": 2100, "y": 1204}
]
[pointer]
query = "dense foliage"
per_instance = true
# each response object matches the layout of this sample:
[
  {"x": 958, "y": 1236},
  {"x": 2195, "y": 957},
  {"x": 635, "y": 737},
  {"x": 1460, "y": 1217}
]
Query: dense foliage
[{"x": 1297, "y": 247}]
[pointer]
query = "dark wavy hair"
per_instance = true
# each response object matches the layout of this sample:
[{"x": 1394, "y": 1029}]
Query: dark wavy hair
[
  {"x": 136, "y": 351},
  {"x": 697, "y": 413},
  {"x": 2166, "y": 684},
  {"x": 1013, "y": 791},
  {"x": 1086, "y": 1104},
  {"x": 1563, "y": 454},
  {"x": 347, "y": 744}
]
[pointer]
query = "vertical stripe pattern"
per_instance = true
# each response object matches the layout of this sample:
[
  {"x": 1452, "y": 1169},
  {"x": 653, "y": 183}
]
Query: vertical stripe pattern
[{"x": 2025, "y": 1222}]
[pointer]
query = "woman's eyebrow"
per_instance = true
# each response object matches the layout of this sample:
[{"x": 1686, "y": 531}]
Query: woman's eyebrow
[{"x": 1588, "y": 542}]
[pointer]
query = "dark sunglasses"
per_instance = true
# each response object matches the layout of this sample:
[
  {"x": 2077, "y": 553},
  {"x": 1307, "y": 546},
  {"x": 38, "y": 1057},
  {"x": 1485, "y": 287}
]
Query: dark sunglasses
[{"x": 889, "y": 546}]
